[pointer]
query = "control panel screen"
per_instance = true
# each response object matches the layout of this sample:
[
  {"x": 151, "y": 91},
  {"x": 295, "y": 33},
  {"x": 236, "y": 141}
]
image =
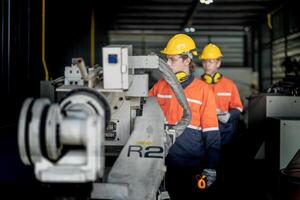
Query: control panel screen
[{"x": 112, "y": 58}]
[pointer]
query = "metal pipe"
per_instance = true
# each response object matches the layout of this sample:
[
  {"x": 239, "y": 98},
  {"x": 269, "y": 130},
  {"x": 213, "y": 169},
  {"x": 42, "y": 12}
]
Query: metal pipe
[
  {"x": 73, "y": 132},
  {"x": 180, "y": 96}
]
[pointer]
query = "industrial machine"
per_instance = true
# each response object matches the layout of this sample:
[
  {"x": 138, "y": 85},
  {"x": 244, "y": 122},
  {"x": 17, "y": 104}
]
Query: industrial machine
[
  {"x": 98, "y": 112},
  {"x": 274, "y": 130},
  {"x": 264, "y": 106}
]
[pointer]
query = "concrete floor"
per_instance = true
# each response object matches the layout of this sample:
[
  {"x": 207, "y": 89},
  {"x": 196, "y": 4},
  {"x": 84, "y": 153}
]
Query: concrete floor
[{"x": 245, "y": 178}]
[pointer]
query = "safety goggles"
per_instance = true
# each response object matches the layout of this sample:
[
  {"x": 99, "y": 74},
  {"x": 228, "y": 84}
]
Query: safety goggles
[
  {"x": 173, "y": 59},
  {"x": 210, "y": 61}
]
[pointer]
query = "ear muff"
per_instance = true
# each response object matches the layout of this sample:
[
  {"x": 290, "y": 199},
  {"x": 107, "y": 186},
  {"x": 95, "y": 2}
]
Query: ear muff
[
  {"x": 181, "y": 76},
  {"x": 207, "y": 78},
  {"x": 217, "y": 77},
  {"x": 211, "y": 80}
]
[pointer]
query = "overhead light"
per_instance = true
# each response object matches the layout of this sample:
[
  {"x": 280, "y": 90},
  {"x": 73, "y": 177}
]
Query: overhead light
[
  {"x": 189, "y": 29},
  {"x": 206, "y": 1},
  {"x": 247, "y": 29}
]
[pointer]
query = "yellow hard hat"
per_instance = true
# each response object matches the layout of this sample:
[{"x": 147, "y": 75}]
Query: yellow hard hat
[
  {"x": 179, "y": 44},
  {"x": 211, "y": 51}
]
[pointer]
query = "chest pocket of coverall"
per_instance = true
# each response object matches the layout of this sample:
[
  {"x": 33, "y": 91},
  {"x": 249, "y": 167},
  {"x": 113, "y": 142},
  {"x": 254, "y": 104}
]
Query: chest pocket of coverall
[
  {"x": 195, "y": 110},
  {"x": 164, "y": 102},
  {"x": 224, "y": 102}
]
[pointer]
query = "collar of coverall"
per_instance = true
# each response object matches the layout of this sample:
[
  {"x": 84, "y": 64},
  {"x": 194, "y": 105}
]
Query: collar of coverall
[{"x": 188, "y": 81}]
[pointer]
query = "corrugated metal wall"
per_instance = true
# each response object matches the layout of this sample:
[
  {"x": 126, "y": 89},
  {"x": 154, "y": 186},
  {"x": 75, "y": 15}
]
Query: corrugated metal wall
[
  {"x": 292, "y": 47},
  {"x": 232, "y": 44},
  {"x": 286, "y": 37},
  {"x": 265, "y": 57}
]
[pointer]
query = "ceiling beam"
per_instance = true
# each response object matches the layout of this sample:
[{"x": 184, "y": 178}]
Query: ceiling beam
[
  {"x": 219, "y": 27},
  {"x": 222, "y": 15},
  {"x": 148, "y": 21},
  {"x": 231, "y": 8},
  {"x": 151, "y": 14},
  {"x": 245, "y": 1},
  {"x": 149, "y": 17},
  {"x": 235, "y": 31},
  {"x": 203, "y": 21},
  {"x": 167, "y": 1},
  {"x": 242, "y": 22},
  {"x": 148, "y": 27},
  {"x": 156, "y": 7}
]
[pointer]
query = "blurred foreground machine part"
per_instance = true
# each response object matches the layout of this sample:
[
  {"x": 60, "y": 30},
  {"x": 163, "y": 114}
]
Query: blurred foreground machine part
[{"x": 110, "y": 114}]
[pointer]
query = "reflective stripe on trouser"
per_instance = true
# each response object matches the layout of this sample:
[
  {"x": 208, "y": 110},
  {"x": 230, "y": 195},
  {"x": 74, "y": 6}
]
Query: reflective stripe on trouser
[{"x": 188, "y": 150}]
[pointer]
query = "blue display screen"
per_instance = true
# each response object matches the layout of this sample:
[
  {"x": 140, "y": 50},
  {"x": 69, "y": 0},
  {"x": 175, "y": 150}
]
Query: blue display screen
[{"x": 112, "y": 58}]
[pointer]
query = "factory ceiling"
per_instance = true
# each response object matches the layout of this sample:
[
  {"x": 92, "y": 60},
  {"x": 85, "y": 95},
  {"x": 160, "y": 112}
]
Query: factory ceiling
[{"x": 176, "y": 15}]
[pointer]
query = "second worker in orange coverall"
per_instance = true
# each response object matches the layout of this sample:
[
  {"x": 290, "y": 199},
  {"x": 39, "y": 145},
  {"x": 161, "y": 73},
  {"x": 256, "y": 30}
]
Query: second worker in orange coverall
[
  {"x": 197, "y": 149},
  {"x": 228, "y": 101}
]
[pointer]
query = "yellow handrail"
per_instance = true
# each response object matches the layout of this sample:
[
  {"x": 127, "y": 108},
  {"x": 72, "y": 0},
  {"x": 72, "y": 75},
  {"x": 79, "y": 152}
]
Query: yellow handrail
[
  {"x": 43, "y": 40},
  {"x": 92, "y": 50},
  {"x": 270, "y": 14}
]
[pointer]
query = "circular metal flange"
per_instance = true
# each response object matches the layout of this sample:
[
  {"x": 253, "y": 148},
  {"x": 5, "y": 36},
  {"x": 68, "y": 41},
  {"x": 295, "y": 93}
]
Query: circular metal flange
[
  {"x": 87, "y": 100},
  {"x": 52, "y": 131},
  {"x": 31, "y": 129},
  {"x": 23, "y": 129},
  {"x": 37, "y": 128}
]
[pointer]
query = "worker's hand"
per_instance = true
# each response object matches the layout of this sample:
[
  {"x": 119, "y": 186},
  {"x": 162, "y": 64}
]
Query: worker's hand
[
  {"x": 224, "y": 117},
  {"x": 168, "y": 143},
  {"x": 210, "y": 175}
]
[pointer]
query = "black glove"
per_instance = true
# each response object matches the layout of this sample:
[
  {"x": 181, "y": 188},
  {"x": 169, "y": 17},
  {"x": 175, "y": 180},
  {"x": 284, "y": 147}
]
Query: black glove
[
  {"x": 210, "y": 175},
  {"x": 169, "y": 140}
]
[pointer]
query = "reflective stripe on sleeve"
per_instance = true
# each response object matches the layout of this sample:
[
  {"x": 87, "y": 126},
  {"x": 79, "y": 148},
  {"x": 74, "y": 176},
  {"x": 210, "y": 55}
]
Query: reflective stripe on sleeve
[
  {"x": 194, "y": 101},
  {"x": 224, "y": 94},
  {"x": 164, "y": 96}
]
